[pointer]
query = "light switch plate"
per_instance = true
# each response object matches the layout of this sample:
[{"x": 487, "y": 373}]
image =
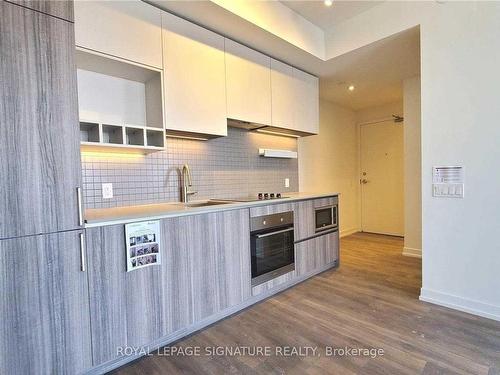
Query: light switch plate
[
  {"x": 107, "y": 191},
  {"x": 287, "y": 182}
]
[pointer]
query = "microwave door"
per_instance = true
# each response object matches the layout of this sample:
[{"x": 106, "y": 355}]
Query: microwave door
[{"x": 326, "y": 218}]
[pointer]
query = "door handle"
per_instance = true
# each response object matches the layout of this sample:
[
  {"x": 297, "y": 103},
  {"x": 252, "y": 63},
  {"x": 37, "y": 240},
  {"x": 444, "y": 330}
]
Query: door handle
[
  {"x": 79, "y": 204},
  {"x": 82, "y": 253},
  {"x": 364, "y": 181}
]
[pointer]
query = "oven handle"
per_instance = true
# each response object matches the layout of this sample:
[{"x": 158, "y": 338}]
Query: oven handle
[{"x": 273, "y": 233}]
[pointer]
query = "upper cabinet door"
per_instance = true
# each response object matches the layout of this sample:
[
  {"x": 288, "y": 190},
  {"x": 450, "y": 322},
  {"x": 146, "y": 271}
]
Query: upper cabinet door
[
  {"x": 248, "y": 82},
  {"x": 306, "y": 106},
  {"x": 283, "y": 98},
  {"x": 127, "y": 29},
  {"x": 40, "y": 165},
  {"x": 194, "y": 78}
]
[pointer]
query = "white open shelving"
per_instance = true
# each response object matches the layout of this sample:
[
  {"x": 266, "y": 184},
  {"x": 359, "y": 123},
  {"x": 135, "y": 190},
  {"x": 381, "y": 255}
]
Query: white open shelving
[
  {"x": 94, "y": 135},
  {"x": 120, "y": 104}
]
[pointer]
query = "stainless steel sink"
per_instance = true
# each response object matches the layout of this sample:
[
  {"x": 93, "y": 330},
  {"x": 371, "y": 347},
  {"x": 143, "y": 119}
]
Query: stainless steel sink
[{"x": 211, "y": 202}]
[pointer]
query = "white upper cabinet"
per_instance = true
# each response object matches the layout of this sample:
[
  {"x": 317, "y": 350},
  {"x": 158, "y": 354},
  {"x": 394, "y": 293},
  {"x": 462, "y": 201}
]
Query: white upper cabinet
[
  {"x": 283, "y": 98},
  {"x": 306, "y": 102},
  {"x": 130, "y": 29},
  {"x": 248, "y": 83},
  {"x": 194, "y": 78},
  {"x": 295, "y": 99}
]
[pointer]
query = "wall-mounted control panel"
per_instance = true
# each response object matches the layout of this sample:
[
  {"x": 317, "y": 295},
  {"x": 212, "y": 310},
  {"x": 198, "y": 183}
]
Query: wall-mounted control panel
[{"x": 448, "y": 181}]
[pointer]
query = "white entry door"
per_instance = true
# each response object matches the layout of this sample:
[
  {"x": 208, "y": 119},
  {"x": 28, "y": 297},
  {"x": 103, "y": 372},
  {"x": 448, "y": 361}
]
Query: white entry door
[{"x": 382, "y": 183}]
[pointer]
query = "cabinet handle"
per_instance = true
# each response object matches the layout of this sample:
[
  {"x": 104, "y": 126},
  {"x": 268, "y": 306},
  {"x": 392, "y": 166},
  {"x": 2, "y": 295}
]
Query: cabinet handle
[
  {"x": 82, "y": 253},
  {"x": 79, "y": 203}
]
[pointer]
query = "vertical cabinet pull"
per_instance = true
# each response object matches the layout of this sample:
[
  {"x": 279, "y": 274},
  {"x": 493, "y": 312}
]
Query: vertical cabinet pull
[
  {"x": 82, "y": 252},
  {"x": 79, "y": 202}
]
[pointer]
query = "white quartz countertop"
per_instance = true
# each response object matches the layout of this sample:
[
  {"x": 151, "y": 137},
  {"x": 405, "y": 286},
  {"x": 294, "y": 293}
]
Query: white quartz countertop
[{"x": 127, "y": 214}]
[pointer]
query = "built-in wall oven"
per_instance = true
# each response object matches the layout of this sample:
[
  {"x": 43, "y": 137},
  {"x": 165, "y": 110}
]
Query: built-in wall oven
[
  {"x": 326, "y": 217},
  {"x": 272, "y": 246}
]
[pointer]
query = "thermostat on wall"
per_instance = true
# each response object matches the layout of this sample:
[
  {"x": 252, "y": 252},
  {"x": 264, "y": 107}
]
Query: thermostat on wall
[{"x": 448, "y": 181}]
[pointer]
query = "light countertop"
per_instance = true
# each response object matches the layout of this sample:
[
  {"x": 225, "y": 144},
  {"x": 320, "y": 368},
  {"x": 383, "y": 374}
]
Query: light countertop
[{"x": 127, "y": 214}]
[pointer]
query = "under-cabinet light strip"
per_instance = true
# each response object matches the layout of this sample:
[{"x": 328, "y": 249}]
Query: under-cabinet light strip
[
  {"x": 277, "y": 133},
  {"x": 187, "y": 137}
]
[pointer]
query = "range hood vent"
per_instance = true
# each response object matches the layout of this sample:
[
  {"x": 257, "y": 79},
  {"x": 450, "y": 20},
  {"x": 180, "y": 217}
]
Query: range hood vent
[
  {"x": 273, "y": 153},
  {"x": 244, "y": 124},
  {"x": 251, "y": 126}
]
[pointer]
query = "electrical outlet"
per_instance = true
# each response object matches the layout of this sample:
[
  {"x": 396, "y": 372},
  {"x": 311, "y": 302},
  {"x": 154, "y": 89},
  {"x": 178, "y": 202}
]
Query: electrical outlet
[
  {"x": 107, "y": 191},
  {"x": 287, "y": 182}
]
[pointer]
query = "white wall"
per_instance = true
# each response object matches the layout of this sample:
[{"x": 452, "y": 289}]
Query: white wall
[
  {"x": 460, "y": 87},
  {"x": 413, "y": 167},
  {"x": 328, "y": 162}
]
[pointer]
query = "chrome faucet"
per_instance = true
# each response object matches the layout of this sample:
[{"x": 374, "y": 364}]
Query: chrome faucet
[{"x": 186, "y": 184}]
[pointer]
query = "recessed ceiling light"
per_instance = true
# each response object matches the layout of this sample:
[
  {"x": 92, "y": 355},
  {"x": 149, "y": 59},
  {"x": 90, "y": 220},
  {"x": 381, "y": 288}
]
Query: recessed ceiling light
[
  {"x": 328, "y": 3},
  {"x": 351, "y": 88}
]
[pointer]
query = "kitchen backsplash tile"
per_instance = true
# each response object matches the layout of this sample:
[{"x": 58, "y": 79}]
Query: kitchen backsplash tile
[{"x": 226, "y": 167}]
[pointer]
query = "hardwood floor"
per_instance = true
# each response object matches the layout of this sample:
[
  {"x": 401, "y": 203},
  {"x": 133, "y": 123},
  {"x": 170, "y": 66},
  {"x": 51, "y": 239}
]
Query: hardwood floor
[{"x": 371, "y": 301}]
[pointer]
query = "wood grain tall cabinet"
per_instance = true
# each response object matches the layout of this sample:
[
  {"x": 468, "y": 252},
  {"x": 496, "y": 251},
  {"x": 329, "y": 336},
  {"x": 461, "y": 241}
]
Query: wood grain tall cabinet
[
  {"x": 44, "y": 298},
  {"x": 40, "y": 165}
]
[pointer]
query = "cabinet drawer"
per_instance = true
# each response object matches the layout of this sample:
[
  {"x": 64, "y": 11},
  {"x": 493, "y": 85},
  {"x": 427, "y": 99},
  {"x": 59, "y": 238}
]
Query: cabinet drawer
[{"x": 316, "y": 252}]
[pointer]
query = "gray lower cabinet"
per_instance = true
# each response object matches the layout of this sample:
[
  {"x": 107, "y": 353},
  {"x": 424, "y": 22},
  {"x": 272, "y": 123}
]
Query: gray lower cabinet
[
  {"x": 40, "y": 165},
  {"x": 126, "y": 307},
  {"x": 207, "y": 265},
  {"x": 44, "y": 306},
  {"x": 316, "y": 252},
  {"x": 205, "y": 269},
  {"x": 304, "y": 221}
]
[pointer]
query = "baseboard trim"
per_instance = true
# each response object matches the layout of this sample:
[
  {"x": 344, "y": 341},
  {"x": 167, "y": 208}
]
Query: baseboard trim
[
  {"x": 470, "y": 306},
  {"x": 348, "y": 232},
  {"x": 412, "y": 252}
]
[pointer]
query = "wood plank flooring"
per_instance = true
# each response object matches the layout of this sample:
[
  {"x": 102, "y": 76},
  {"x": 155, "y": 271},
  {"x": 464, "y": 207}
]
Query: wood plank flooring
[{"x": 371, "y": 301}]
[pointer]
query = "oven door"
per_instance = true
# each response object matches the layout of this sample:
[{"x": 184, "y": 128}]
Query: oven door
[{"x": 272, "y": 254}]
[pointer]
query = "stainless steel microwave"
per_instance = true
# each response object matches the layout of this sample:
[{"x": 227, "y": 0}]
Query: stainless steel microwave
[{"x": 326, "y": 217}]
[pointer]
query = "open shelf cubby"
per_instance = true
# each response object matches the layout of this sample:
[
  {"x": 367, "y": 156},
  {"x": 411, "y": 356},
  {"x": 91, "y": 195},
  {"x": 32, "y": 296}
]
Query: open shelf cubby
[
  {"x": 120, "y": 103},
  {"x": 89, "y": 132},
  {"x": 112, "y": 134},
  {"x": 134, "y": 136},
  {"x": 155, "y": 138}
]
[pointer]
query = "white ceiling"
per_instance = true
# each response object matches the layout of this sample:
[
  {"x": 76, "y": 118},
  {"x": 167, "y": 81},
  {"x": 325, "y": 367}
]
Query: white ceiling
[
  {"x": 376, "y": 70},
  {"x": 325, "y": 17}
]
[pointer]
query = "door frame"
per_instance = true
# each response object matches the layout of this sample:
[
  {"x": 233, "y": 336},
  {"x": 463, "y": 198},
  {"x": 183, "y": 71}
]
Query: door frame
[{"x": 360, "y": 200}]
